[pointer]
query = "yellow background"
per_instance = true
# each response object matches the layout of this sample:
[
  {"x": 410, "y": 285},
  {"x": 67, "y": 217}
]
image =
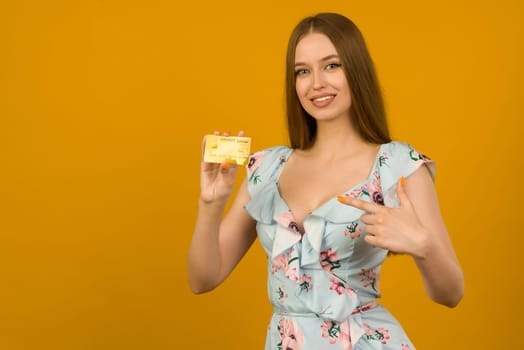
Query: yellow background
[{"x": 102, "y": 108}]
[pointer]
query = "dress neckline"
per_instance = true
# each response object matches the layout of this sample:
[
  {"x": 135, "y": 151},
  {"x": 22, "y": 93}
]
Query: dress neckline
[{"x": 331, "y": 200}]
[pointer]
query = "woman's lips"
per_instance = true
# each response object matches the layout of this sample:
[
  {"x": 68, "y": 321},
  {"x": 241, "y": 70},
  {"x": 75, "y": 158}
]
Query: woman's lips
[{"x": 322, "y": 101}]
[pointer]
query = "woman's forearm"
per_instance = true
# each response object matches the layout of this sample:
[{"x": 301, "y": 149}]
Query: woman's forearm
[
  {"x": 203, "y": 263},
  {"x": 442, "y": 275}
]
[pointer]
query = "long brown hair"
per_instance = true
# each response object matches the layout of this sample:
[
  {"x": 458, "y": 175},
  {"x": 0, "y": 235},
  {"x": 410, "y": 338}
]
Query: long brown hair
[{"x": 367, "y": 111}]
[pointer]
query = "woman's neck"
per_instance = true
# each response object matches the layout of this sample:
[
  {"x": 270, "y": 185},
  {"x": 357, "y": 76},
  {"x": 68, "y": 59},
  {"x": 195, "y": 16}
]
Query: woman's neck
[{"x": 336, "y": 141}]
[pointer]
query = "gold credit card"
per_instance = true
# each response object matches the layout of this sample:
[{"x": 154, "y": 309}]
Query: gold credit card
[{"x": 227, "y": 149}]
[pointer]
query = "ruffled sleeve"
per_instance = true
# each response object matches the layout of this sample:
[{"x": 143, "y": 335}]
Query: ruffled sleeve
[
  {"x": 262, "y": 173},
  {"x": 399, "y": 159}
]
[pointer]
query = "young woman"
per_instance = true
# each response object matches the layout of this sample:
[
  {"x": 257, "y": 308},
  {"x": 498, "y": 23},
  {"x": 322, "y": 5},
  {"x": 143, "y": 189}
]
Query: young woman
[{"x": 329, "y": 208}]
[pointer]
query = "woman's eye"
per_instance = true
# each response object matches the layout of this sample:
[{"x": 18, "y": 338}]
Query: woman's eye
[
  {"x": 301, "y": 72},
  {"x": 332, "y": 66}
]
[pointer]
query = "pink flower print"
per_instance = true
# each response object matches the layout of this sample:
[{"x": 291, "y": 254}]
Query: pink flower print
[
  {"x": 383, "y": 335},
  {"x": 334, "y": 331},
  {"x": 368, "y": 278},
  {"x": 382, "y": 159},
  {"x": 281, "y": 293},
  {"x": 373, "y": 189},
  {"x": 330, "y": 330},
  {"x": 278, "y": 263},
  {"x": 405, "y": 347},
  {"x": 287, "y": 220},
  {"x": 367, "y": 330},
  {"x": 339, "y": 287},
  {"x": 380, "y": 334},
  {"x": 253, "y": 165},
  {"x": 353, "y": 230},
  {"x": 254, "y": 161},
  {"x": 329, "y": 260},
  {"x": 291, "y": 338},
  {"x": 357, "y": 192},
  {"x": 283, "y": 262},
  {"x": 291, "y": 273},
  {"x": 416, "y": 156},
  {"x": 305, "y": 283}
]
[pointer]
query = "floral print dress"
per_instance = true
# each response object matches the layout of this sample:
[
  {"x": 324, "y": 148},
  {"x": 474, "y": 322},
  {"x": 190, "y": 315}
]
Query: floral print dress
[{"x": 323, "y": 284}]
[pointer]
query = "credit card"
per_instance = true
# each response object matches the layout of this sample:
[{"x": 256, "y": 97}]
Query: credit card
[{"x": 227, "y": 149}]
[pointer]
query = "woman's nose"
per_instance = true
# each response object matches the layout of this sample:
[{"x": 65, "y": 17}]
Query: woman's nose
[{"x": 319, "y": 80}]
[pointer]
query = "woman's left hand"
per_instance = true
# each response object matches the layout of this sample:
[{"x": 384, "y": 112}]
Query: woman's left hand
[{"x": 398, "y": 230}]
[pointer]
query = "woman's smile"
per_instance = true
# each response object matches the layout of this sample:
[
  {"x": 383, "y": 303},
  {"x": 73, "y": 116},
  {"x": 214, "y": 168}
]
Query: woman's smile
[{"x": 322, "y": 101}]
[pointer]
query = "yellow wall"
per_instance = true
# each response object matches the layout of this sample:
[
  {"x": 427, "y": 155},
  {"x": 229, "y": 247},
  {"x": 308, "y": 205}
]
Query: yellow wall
[{"x": 102, "y": 109}]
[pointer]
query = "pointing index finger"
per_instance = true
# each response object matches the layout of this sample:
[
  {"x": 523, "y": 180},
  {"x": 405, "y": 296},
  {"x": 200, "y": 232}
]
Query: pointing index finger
[{"x": 357, "y": 203}]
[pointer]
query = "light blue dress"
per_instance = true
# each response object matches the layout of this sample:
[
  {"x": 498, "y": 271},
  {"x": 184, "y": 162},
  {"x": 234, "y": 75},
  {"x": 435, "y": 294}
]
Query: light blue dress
[{"x": 323, "y": 284}]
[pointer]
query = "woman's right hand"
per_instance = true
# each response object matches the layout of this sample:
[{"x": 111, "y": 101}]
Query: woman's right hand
[{"x": 217, "y": 180}]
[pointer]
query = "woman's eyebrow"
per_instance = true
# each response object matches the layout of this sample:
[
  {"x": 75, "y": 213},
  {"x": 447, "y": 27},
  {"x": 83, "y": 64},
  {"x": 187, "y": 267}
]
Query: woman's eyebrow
[
  {"x": 323, "y": 59},
  {"x": 327, "y": 58}
]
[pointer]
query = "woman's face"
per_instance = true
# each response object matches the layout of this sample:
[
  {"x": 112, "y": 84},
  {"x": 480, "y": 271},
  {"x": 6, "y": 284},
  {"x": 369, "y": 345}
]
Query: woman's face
[{"x": 321, "y": 83}]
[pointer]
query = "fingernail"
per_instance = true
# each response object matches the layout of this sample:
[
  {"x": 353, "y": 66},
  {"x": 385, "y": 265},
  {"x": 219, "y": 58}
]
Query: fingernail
[
  {"x": 402, "y": 181},
  {"x": 341, "y": 199},
  {"x": 225, "y": 165}
]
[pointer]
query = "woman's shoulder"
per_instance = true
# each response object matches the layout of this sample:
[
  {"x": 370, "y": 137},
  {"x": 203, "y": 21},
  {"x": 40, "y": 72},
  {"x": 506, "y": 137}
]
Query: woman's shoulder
[
  {"x": 263, "y": 164},
  {"x": 398, "y": 146},
  {"x": 402, "y": 151},
  {"x": 266, "y": 156},
  {"x": 400, "y": 159}
]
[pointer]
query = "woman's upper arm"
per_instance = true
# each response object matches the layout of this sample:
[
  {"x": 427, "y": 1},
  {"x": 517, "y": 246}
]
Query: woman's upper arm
[{"x": 237, "y": 232}]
